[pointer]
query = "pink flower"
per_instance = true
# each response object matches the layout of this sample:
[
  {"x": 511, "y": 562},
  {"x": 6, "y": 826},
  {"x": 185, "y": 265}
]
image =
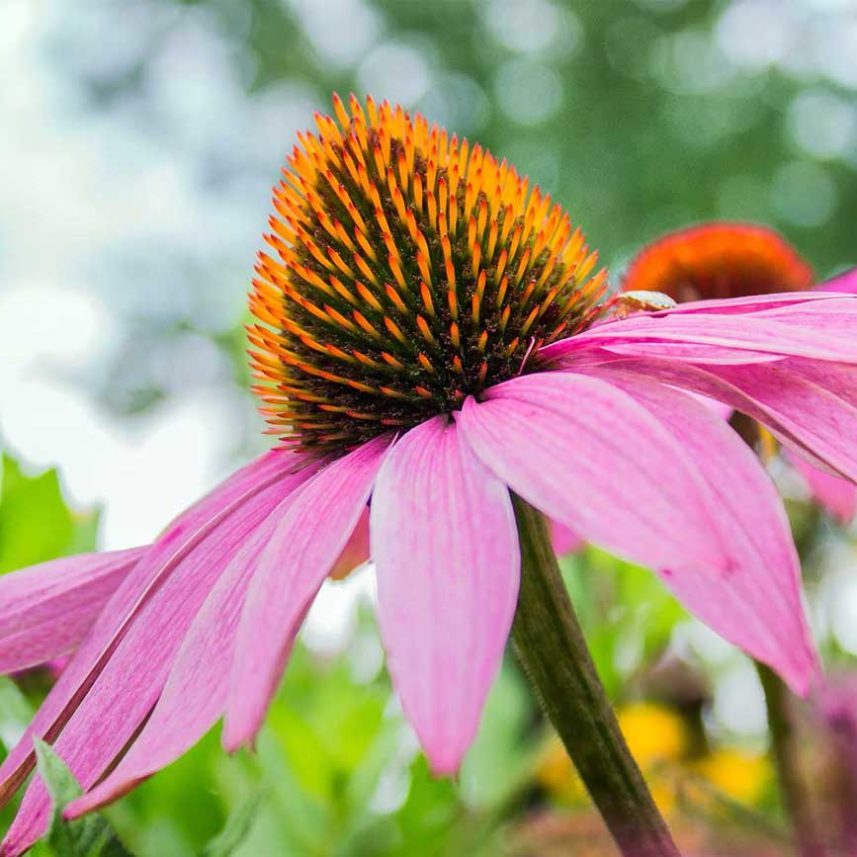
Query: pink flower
[
  {"x": 732, "y": 260},
  {"x": 426, "y": 346}
]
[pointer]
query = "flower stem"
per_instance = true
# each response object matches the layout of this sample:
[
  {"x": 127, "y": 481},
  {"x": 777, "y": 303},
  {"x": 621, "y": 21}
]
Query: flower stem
[
  {"x": 793, "y": 786},
  {"x": 553, "y": 652}
]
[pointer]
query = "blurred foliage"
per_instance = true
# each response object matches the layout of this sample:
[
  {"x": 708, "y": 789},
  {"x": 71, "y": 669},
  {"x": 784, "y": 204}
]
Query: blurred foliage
[
  {"x": 35, "y": 523},
  {"x": 639, "y": 115}
]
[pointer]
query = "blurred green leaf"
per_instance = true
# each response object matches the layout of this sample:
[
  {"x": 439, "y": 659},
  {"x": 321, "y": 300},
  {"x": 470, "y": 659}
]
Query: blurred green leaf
[
  {"x": 500, "y": 755},
  {"x": 236, "y": 829},
  {"x": 89, "y": 836},
  {"x": 35, "y": 522}
]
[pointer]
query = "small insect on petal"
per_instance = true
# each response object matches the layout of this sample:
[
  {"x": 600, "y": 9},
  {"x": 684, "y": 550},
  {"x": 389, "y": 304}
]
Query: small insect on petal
[{"x": 627, "y": 303}]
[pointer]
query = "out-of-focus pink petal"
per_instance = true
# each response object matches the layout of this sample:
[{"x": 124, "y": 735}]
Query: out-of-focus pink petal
[
  {"x": 808, "y": 405},
  {"x": 564, "y": 539},
  {"x": 817, "y": 403},
  {"x": 844, "y": 283},
  {"x": 587, "y": 454},
  {"x": 356, "y": 552},
  {"x": 115, "y": 678},
  {"x": 300, "y": 554},
  {"x": 194, "y": 695},
  {"x": 47, "y": 609},
  {"x": 757, "y": 604},
  {"x": 838, "y": 496},
  {"x": 822, "y": 334},
  {"x": 446, "y": 550}
]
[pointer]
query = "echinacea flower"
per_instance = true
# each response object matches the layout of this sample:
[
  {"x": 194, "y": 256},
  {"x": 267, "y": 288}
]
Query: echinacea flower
[
  {"x": 732, "y": 260},
  {"x": 426, "y": 345}
]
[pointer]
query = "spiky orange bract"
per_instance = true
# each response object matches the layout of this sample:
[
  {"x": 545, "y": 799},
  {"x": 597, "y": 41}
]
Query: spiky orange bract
[
  {"x": 718, "y": 260},
  {"x": 410, "y": 270}
]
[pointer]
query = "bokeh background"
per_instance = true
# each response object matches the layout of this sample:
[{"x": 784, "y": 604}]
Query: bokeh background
[{"x": 139, "y": 140}]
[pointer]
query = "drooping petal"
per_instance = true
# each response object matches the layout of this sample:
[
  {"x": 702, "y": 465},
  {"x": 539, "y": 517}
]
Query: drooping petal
[
  {"x": 116, "y": 676},
  {"x": 748, "y": 303},
  {"x": 356, "y": 552},
  {"x": 814, "y": 402},
  {"x": 822, "y": 334},
  {"x": 835, "y": 316},
  {"x": 587, "y": 454},
  {"x": 808, "y": 405},
  {"x": 564, "y": 539},
  {"x": 46, "y": 610},
  {"x": 838, "y": 496},
  {"x": 757, "y": 604},
  {"x": 194, "y": 696},
  {"x": 844, "y": 283},
  {"x": 448, "y": 563},
  {"x": 679, "y": 351},
  {"x": 301, "y": 552},
  {"x": 185, "y": 530}
]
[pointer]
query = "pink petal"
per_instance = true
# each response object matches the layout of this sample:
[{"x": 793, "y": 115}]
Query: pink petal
[
  {"x": 680, "y": 351},
  {"x": 836, "y": 316},
  {"x": 185, "y": 530},
  {"x": 844, "y": 284},
  {"x": 356, "y": 552},
  {"x": 113, "y": 681},
  {"x": 300, "y": 554},
  {"x": 815, "y": 403},
  {"x": 194, "y": 695},
  {"x": 46, "y": 610},
  {"x": 590, "y": 456},
  {"x": 446, "y": 550},
  {"x": 838, "y": 496},
  {"x": 822, "y": 335},
  {"x": 188, "y": 527},
  {"x": 757, "y": 605},
  {"x": 809, "y": 406},
  {"x": 746, "y": 304},
  {"x": 564, "y": 539}
]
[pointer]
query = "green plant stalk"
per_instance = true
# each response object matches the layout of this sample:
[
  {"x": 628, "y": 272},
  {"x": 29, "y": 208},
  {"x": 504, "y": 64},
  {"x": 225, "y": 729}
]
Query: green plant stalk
[
  {"x": 553, "y": 652},
  {"x": 793, "y": 786}
]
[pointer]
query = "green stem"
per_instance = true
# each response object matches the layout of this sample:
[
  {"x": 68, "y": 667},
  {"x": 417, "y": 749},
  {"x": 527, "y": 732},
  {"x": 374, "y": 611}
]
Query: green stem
[
  {"x": 793, "y": 787},
  {"x": 553, "y": 652},
  {"x": 795, "y": 792}
]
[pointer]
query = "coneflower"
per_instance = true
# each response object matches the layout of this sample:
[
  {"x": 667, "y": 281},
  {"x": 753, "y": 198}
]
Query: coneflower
[{"x": 431, "y": 342}]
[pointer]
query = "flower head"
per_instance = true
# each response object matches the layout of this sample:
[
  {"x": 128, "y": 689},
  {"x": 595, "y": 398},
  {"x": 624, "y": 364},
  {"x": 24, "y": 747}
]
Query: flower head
[
  {"x": 424, "y": 345},
  {"x": 412, "y": 270}
]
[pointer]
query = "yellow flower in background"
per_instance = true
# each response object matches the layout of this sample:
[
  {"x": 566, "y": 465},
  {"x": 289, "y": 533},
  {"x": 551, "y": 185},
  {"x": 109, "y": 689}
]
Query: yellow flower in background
[
  {"x": 656, "y": 736},
  {"x": 660, "y": 741},
  {"x": 655, "y": 733},
  {"x": 737, "y": 774}
]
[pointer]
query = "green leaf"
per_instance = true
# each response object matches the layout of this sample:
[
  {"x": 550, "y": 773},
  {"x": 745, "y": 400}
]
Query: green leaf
[
  {"x": 236, "y": 829},
  {"x": 17, "y": 712},
  {"x": 89, "y": 836},
  {"x": 35, "y": 522}
]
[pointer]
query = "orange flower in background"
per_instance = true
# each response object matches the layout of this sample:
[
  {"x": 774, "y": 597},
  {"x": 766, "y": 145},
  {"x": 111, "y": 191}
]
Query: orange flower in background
[{"x": 718, "y": 260}]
